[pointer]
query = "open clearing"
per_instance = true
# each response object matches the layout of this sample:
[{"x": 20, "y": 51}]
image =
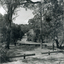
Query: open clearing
[{"x": 53, "y": 58}]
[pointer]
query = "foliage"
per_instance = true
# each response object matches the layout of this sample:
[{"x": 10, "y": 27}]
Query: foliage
[
  {"x": 10, "y": 6},
  {"x": 55, "y": 13},
  {"x": 16, "y": 33},
  {"x": 4, "y": 56},
  {"x": 25, "y": 28},
  {"x": 51, "y": 10},
  {"x": 52, "y": 23},
  {"x": 2, "y": 24},
  {"x": 31, "y": 36}
]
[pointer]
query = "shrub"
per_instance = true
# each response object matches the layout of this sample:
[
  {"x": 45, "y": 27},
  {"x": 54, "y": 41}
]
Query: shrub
[{"x": 3, "y": 55}]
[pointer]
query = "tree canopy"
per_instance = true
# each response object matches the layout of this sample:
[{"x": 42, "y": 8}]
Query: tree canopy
[
  {"x": 52, "y": 18},
  {"x": 52, "y": 14}
]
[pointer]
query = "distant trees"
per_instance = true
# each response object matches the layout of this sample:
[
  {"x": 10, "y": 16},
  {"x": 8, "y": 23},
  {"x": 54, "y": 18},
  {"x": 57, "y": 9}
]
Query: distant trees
[
  {"x": 24, "y": 27},
  {"x": 31, "y": 36},
  {"x": 34, "y": 24},
  {"x": 16, "y": 33}
]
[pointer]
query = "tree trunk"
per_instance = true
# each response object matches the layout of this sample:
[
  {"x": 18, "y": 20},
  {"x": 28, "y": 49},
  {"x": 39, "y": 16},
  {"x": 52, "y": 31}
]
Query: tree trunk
[
  {"x": 8, "y": 33},
  {"x": 61, "y": 43},
  {"x": 57, "y": 43},
  {"x": 14, "y": 42},
  {"x": 8, "y": 40},
  {"x": 9, "y": 19},
  {"x": 7, "y": 46}
]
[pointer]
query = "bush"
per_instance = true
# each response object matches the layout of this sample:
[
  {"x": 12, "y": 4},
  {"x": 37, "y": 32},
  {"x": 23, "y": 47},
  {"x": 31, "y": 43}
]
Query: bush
[{"x": 3, "y": 55}]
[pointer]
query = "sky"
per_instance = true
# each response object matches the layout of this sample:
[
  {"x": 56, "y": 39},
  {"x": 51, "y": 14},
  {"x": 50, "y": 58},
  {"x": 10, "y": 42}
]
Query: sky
[
  {"x": 2, "y": 11},
  {"x": 23, "y": 15}
]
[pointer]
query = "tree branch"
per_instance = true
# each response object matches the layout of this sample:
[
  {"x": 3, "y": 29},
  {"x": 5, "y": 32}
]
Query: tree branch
[
  {"x": 2, "y": 5},
  {"x": 30, "y": 2}
]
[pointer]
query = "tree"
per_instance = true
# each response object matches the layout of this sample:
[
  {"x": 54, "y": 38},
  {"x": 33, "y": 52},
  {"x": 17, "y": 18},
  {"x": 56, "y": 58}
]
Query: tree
[
  {"x": 10, "y": 6},
  {"x": 25, "y": 28},
  {"x": 1, "y": 26},
  {"x": 16, "y": 33},
  {"x": 57, "y": 15},
  {"x": 52, "y": 23}
]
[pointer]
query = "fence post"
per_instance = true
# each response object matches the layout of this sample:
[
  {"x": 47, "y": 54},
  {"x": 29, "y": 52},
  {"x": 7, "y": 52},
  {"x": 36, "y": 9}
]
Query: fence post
[
  {"x": 49, "y": 53},
  {"x": 24, "y": 56}
]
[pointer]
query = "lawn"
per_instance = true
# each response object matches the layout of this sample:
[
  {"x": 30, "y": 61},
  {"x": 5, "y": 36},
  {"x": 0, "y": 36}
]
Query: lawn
[{"x": 54, "y": 58}]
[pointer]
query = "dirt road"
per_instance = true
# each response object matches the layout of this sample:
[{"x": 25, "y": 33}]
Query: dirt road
[{"x": 24, "y": 41}]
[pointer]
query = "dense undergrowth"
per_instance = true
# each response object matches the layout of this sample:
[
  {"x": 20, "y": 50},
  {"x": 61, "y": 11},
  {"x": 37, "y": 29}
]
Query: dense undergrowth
[{"x": 4, "y": 56}]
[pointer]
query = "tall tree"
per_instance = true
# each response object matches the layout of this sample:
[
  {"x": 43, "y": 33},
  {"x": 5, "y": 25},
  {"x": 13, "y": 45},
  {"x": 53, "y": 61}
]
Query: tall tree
[
  {"x": 10, "y": 6},
  {"x": 52, "y": 23}
]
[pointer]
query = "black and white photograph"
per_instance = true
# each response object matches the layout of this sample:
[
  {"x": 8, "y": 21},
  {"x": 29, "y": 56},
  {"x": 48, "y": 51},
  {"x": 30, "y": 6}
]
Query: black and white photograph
[{"x": 31, "y": 31}]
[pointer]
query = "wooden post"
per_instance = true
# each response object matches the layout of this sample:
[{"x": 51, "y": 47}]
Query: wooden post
[
  {"x": 24, "y": 56},
  {"x": 49, "y": 53},
  {"x": 53, "y": 46}
]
